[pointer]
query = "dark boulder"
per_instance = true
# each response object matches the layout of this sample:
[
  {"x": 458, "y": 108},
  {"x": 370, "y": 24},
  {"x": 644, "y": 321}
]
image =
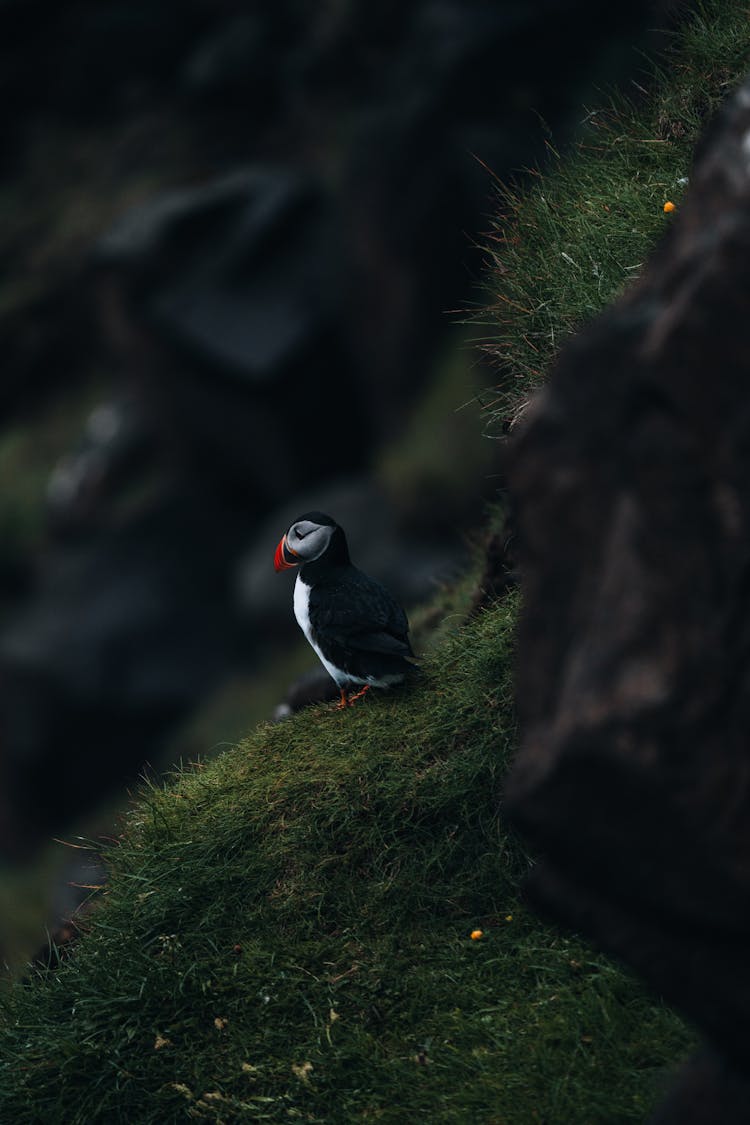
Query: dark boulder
[
  {"x": 224, "y": 303},
  {"x": 632, "y": 482},
  {"x": 240, "y": 271}
]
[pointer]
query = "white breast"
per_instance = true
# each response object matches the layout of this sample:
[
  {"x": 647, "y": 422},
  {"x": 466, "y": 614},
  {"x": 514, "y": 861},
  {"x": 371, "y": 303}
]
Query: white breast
[{"x": 302, "y": 613}]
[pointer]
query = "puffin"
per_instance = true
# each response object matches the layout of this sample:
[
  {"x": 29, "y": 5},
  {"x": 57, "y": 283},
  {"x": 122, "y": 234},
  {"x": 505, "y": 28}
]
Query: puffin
[{"x": 357, "y": 628}]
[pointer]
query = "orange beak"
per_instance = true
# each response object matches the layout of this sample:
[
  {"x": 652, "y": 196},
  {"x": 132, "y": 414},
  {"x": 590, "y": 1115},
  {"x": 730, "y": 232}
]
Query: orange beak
[{"x": 281, "y": 560}]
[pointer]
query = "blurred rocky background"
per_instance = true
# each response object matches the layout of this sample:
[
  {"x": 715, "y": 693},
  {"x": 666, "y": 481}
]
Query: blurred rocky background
[{"x": 232, "y": 238}]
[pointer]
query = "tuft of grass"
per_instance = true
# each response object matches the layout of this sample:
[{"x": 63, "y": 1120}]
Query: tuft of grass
[
  {"x": 286, "y": 935},
  {"x": 568, "y": 239}
]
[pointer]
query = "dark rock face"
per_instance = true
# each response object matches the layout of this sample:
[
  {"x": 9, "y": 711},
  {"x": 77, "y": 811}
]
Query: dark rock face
[
  {"x": 237, "y": 271},
  {"x": 225, "y": 303},
  {"x": 632, "y": 482}
]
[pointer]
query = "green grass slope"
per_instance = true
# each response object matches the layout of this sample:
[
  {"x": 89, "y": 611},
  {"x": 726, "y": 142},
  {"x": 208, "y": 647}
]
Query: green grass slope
[
  {"x": 564, "y": 245},
  {"x": 286, "y": 936},
  {"x": 286, "y": 932}
]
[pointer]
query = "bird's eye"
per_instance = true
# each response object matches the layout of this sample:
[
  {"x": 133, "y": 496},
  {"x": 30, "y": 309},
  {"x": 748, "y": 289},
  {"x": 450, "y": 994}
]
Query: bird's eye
[{"x": 299, "y": 532}]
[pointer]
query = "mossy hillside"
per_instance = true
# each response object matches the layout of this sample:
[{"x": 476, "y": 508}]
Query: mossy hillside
[
  {"x": 286, "y": 935},
  {"x": 567, "y": 241}
]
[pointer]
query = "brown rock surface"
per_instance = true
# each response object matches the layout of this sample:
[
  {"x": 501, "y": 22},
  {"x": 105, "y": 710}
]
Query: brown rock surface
[{"x": 632, "y": 484}]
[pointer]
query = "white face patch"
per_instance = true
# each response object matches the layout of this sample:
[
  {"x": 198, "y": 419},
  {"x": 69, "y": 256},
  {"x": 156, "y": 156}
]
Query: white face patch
[{"x": 308, "y": 540}]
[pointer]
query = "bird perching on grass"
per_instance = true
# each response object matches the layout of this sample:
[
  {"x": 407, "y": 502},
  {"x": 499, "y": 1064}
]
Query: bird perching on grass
[{"x": 358, "y": 630}]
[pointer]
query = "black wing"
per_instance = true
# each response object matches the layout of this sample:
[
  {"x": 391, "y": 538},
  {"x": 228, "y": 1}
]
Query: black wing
[{"x": 357, "y": 612}]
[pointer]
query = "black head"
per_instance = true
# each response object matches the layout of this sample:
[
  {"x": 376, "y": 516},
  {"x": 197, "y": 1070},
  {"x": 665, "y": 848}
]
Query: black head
[{"x": 319, "y": 518}]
